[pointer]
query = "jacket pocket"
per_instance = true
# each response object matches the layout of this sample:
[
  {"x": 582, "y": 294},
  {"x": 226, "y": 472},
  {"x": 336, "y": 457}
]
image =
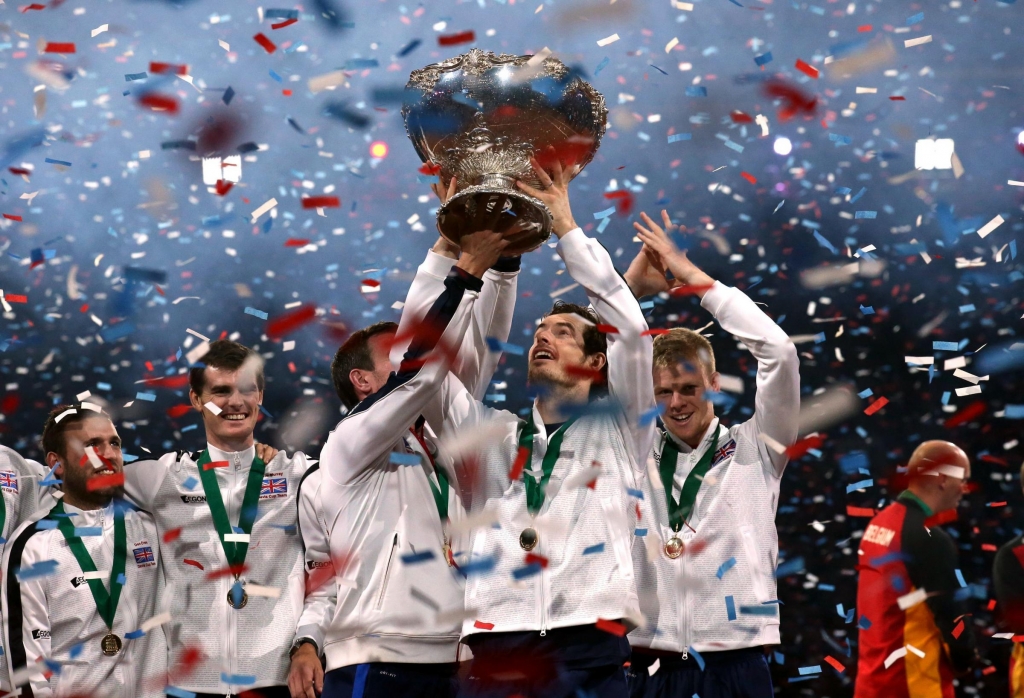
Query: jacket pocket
[
  {"x": 750, "y": 547},
  {"x": 387, "y": 572}
]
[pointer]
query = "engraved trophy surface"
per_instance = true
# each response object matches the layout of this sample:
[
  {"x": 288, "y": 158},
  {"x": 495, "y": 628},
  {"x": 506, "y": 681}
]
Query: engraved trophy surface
[{"x": 481, "y": 117}]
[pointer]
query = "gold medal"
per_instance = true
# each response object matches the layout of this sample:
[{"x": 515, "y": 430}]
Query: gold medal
[
  {"x": 528, "y": 539},
  {"x": 111, "y": 644},
  {"x": 674, "y": 547},
  {"x": 242, "y": 602},
  {"x": 446, "y": 549}
]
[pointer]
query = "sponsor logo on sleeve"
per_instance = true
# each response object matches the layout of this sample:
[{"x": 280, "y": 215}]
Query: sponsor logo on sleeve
[
  {"x": 39, "y": 634},
  {"x": 144, "y": 556},
  {"x": 77, "y": 581},
  {"x": 193, "y": 498}
]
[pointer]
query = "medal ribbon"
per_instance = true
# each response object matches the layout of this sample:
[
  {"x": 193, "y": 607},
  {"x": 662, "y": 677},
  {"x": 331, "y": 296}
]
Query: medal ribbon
[
  {"x": 234, "y": 552},
  {"x": 534, "y": 489},
  {"x": 106, "y": 604},
  {"x": 440, "y": 491},
  {"x": 3, "y": 514},
  {"x": 678, "y": 512}
]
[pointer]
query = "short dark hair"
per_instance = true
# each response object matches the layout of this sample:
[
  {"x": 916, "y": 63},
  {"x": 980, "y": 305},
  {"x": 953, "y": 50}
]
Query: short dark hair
[
  {"x": 227, "y": 355},
  {"x": 594, "y": 340},
  {"x": 55, "y": 427},
  {"x": 355, "y": 353}
]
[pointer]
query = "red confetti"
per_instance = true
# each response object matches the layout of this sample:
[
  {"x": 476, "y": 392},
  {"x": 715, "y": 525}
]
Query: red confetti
[
  {"x": 429, "y": 168},
  {"x": 608, "y": 329},
  {"x": 321, "y": 202},
  {"x": 216, "y": 464},
  {"x": 159, "y": 103},
  {"x": 33, "y": 6},
  {"x": 996, "y": 504},
  {"x": 296, "y": 242},
  {"x": 111, "y": 480},
  {"x": 802, "y": 446},
  {"x": 958, "y": 630},
  {"x": 172, "y": 535},
  {"x": 536, "y": 559},
  {"x": 268, "y": 45},
  {"x": 372, "y": 283},
  {"x": 653, "y": 333},
  {"x": 285, "y": 324},
  {"x": 19, "y": 171},
  {"x": 178, "y": 411},
  {"x": 940, "y": 518},
  {"x": 286, "y": 23},
  {"x": 12, "y": 217},
  {"x": 967, "y": 414},
  {"x": 864, "y": 28},
  {"x": 749, "y": 177},
  {"x": 467, "y": 37},
  {"x": 859, "y": 512},
  {"x": 223, "y": 186},
  {"x": 611, "y": 626},
  {"x": 623, "y": 201},
  {"x": 739, "y": 117},
  {"x": 194, "y": 564},
  {"x": 54, "y": 47},
  {"x": 794, "y": 100},
  {"x": 835, "y": 663},
  {"x": 807, "y": 69},
  {"x": 898, "y": 99},
  {"x": 876, "y": 405},
  {"x": 229, "y": 571},
  {"x": 9, "y": 403},
  {"x": 164, "y": 68},
  {"x": 689, "y": 290},
  {"x": 581, "y": 372},
  {"x": 988, "y": 547},
  {"x": 519, "y": 464},
  {"x": 482, "y": 625}
]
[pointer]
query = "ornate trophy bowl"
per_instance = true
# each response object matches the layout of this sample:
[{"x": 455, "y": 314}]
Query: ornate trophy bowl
[{"x": 481, "y": 117}]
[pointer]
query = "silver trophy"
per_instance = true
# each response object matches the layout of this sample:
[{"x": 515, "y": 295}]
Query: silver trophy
[{"x": 481, "y": 117}]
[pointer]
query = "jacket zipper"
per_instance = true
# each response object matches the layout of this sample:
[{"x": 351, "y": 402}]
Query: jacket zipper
[
  {"x": 387, "y": 572},
  {"x": 684, "y": 613}
]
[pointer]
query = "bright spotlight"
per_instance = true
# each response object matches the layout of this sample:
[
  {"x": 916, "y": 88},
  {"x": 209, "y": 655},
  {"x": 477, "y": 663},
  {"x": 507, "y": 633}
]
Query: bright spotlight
[
  {"x": 379, "y": 150},
  {"x": 934, "y": 154},
  {"x": 783, "y": 146}
]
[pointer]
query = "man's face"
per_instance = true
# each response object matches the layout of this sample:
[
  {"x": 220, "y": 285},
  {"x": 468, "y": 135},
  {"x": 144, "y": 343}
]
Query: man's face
[
  {"x": 557, "y": 357},
  {"x": 76, "y": 469},
  {"x": 235, "y": 393},
  {"x": 958, "y": 488},
  {"x": 682, "y": 390}
]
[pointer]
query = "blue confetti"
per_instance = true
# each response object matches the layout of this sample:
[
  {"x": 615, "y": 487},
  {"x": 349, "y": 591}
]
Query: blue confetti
[
  {"x": 866, "y": 214},
  {"x": 399, "y": 458},
  {"x": 135, "y": 634},
  {"x": 960, "y": 578},
  {"x": 764, "y": 58},
  {"x": 676, "y": 137},
  {"x": 604, "y": 214},
  {"x": 148, "y": 397},
  {"x": 176, "y": 692},
  {"x": 129, "y": 77},
  {"x": 88, "y": 531},
  {"x": 530, "y": 570},
  {"x": 915, "y": 19},
  {"x": 594, "y": 549},
  {"x": 414, "y": 558},
  {"x": 698, "y": 658},
  {"x": 190, "y": 482},
  {"x": 651, "y": 415},
  {"x": 51, "y": 161},
  {"x": 495, "y": 345},
  {"x": 859, "y": 485},
  {"x": 43, "y": 568},
  {"x": 601, "y": 66},
  {"x": 730, "y": 607},
  {"x": 257, "y": 313},
  {"x": 409, "y": 48},
  {"x": 229, "y": 94},
  {"x": 238, "y": 679},
  {"x": 725, "y": 567},
  {"x": 696, "y": 91},
  {"x": 638, "y": 494},
  {"x": 806, "y": 670}
]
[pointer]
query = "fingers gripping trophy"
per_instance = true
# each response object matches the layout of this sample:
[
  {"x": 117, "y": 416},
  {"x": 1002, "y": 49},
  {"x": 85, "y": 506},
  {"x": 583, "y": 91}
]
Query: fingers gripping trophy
[{"x": 495, "y": 125}]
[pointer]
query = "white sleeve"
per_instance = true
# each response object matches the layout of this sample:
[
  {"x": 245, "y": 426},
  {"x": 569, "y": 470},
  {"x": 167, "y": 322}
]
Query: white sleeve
[
  {"x": 474, "y": 364},
  {"x": 321, "y": 592},
  {"x": 777, "y": 401},
  {"x": 630, "y": 348},
  {"x": 35, "y": 626},
  {"x": 371, "y": 428},
  {"x": 142, "y": 479}
]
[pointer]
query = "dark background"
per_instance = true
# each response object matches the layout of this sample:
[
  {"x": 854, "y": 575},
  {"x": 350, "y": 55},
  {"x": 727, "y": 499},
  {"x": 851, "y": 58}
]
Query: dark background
[{"x": 205, "y": 262}]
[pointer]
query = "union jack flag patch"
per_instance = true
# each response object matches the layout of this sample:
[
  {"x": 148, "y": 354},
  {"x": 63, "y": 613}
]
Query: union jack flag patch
[
  {"x": 144, "y": 556},
  {"x": 724, "y": 453},
  {"x": 9, "y": 481},
  {"x": 274, "y": 487}
]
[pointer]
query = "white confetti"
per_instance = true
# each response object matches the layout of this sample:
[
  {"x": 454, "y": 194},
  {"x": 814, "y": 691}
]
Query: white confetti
[
  {"x": 216, "y": 411},
  {"x": 263, "y": 209},
  {"x": 918, "y": 41},
  {"x": 608, "y": 40},
  {"x": 100, "y": 29},
  {"x": 990, "y": 226}
]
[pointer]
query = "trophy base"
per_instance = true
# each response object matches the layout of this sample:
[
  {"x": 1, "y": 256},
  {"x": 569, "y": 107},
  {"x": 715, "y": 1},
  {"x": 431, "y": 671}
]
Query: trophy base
[{"x": 526, "y": 223}]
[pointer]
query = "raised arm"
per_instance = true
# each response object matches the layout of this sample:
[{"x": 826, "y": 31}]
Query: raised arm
[
  {"x": 630, "y": 350},
  {"x": 777, "y": 401},
  {"x": 372, "y": 426}
]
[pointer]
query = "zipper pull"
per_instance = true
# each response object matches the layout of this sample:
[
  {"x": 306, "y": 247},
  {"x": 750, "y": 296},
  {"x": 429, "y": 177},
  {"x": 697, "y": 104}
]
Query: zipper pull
[
  {"x": 543, "y": 633},
  {"x": 686, "y": 655}
]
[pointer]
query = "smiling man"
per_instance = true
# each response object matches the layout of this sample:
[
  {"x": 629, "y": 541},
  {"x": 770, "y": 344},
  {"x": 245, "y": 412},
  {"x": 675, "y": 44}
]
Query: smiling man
[
  {"x": 79, "y": 585},
  {"x": 706, "y": 566},
  {"x": 233, "y": 554}
]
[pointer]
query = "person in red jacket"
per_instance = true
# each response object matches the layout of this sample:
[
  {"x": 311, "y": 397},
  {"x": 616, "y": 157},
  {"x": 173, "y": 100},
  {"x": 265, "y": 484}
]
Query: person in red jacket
[
  {"x": 1008, "y": 579},
  {"x": 914, "y": 635}
]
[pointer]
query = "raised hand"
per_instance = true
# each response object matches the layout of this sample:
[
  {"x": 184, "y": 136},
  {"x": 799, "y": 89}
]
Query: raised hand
[
  {"x": 555, "y": 194},
  {"x": 646, "y": 275},
  {"x": 443, "y": 246},
  {"x": 675, "y": 260},
  {"x": 480, "y": 250}
]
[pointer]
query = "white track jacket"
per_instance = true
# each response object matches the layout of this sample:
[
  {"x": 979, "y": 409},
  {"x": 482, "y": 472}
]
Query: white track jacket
[
  {"x": 714, "y": 596},
  {"x": 398, "y": 600},
  {"x": 55, "y": 617},
  {"x": 584, "y": 532},
  {"x": 245, "y": 648}
]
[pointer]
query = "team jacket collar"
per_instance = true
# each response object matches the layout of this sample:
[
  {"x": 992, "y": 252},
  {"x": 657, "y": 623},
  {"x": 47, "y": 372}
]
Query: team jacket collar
[{"x": 237, "y": 459}]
